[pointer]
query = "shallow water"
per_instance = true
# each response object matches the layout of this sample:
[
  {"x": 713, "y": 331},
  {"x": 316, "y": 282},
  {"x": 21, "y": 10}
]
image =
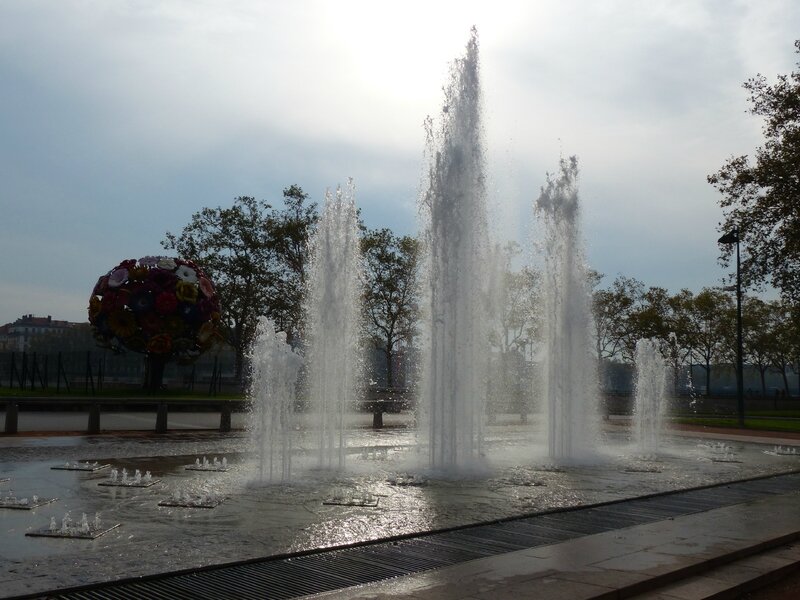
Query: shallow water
[{"x": 257, "y": 521}]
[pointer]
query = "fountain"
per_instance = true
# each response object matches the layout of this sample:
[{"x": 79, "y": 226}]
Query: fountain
[
  {"x": 85, "y": 529},
  {"x": 78, "y": 466},
  {"x": 275, "y": 367},
  {"x": 569, "y": 369},
  {"x": 11, "y": 500},
  {"x": 189, "y": 498},
  {"x": 345, "y": 497},
  {"x": 138, "y": 480},
  {"x": 651, "y": 381},
  {"x": 333, "y": 309},
  {"x": 208, "y": 465},
  {"x": 456, "y": 354}
]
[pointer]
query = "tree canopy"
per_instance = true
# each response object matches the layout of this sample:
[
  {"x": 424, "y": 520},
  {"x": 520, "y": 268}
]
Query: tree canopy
[
  {"x": 256, "y": 255},
  {"x": 761, "y": 197},
  {"x": 391, "y": 296}
]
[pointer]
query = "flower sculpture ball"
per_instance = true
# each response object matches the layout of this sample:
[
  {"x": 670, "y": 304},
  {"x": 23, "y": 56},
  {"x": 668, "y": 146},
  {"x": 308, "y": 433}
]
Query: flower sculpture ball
[{"x": 164, "y": 307}]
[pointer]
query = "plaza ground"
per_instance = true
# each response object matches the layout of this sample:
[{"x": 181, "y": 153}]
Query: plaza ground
[{"x": 260, "y": 521}]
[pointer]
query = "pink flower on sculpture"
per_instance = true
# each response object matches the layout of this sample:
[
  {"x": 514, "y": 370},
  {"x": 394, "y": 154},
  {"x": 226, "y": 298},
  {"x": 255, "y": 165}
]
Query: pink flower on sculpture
[{"x": 206, "y": 287}]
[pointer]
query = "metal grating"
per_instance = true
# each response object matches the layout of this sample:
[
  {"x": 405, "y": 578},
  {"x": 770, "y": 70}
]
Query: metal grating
[{"x": 324, "y": 571}]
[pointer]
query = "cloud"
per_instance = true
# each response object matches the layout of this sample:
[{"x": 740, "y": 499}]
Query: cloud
[
  {"x": 120, "y": 119},
  {"x": 41, "y": 300}
]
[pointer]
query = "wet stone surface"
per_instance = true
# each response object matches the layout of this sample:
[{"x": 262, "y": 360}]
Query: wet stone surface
[{"x": 257, "y": 520}]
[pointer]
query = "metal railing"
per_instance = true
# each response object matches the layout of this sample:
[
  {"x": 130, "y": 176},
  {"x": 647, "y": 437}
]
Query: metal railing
[{"x": 96, "y": 372}]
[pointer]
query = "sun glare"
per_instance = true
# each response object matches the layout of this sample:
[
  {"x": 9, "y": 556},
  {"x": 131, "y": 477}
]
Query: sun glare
[{"x": 404, "y": 51}]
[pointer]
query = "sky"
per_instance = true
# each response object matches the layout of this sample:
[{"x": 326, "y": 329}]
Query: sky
[{"x": 121, "y": 118}]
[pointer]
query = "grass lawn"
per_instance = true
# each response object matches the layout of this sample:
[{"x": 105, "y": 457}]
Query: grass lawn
[{"x": 758, "y": 423}]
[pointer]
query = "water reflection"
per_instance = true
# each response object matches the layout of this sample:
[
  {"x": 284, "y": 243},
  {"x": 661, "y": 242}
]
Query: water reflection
[{"x": 257, "y": 520}]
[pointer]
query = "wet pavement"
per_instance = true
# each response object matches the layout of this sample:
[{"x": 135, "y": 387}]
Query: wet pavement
[
  {"x": 260, "y": 520},
  {"x": 655, "y": 561}
]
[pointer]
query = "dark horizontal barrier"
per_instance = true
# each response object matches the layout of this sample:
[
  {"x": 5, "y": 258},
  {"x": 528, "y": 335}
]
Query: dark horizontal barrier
[{"x": 97, "y": 406}]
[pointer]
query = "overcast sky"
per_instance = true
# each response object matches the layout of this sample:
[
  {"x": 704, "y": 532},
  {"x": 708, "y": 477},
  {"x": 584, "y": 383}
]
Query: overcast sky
[{"x": 119, "y": 119}]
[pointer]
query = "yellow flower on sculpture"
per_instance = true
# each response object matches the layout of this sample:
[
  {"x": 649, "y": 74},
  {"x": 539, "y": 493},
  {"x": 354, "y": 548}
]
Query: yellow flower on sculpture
[
  {"x": 122, "y": 323},
  {"x": 186, "y": 292},
  {"x": 94, "y": 307}
]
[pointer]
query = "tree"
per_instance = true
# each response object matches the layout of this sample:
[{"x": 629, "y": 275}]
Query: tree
[
  {"x": 519, "y": 319},
  {"x": 517, "y": 324},
  {"x": 257, "y": 257},
  {"x": 706, "y": 315},
  {"x": 782, "y": 352},
  {"x": 758, "y": 340},
  {"x": 761, "y": 198},
  {"x": 290, "y": 230},
  {"x": 391, "y": 297},
  {"x": 792, "y": 332},
  {"x": 613, "y": 310},
  {"x": 231, "y": 245},
  {"x": 651, "y": 318}
]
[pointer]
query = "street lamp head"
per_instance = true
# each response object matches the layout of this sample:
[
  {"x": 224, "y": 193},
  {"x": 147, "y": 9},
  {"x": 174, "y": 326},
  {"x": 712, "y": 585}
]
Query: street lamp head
[{"x": 729, "y": 238}]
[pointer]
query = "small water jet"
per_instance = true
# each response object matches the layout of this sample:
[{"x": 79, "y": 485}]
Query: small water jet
[
  {"x": 208, "y": 465},
  {"x": 11, "y": 500},
  {"x": 456, "y": 355},
  {"x": 333, "y": 309},
  {"x": 407, "y": 480},
  {"x": 651, "y": 382},
  {"x": 186, "y": 498},
  {"x": 275, "y": 368},
  {"x": 85, "y": 529},
  {"x": 345, "y": 497},
  {"x": 569, "y": 366},
  {"x": 782, "y": 451},
  {"x": 78, "y": 466},
  {"x": 138, "y": 480}
]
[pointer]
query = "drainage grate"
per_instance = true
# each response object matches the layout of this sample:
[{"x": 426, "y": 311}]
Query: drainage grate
[{"x": 328, "y": 570}]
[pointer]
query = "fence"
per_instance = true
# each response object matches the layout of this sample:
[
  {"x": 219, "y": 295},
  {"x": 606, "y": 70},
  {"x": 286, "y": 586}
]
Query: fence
[{"x": 94, "y": 372}]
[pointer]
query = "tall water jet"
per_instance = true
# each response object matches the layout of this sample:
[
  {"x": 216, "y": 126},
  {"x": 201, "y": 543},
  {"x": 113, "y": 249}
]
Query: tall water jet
[
  {"x": 455, "y": 357},
  {"x": 651, "y": 383},
  {"x": 569, "y": 367},
  {"x": 274, "y": 370},
  {"x": 333, "y": 311}
]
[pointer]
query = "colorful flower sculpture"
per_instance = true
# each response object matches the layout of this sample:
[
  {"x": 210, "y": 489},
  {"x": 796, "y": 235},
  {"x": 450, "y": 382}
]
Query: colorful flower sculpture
[{"x": 166, "y": 308}]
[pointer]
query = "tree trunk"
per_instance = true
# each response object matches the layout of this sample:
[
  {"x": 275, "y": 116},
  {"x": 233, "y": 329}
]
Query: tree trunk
[
  {"x": 389, "y": 378},
  {"x": 238, "y": 366},
  {"x": 786, "y": 383},
  {"x": 154, "y": 373},
  {"x": 377, "y": 416}
]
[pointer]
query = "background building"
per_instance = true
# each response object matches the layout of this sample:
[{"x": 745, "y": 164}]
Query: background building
[{"x": 17, "y": 336}]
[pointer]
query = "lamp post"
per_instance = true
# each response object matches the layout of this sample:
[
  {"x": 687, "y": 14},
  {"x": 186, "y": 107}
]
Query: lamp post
[{"x": 732, "y": 237}]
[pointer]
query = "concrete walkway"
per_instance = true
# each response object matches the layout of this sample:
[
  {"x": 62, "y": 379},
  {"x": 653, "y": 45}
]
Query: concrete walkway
[{"x": 721, "y": 553}]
